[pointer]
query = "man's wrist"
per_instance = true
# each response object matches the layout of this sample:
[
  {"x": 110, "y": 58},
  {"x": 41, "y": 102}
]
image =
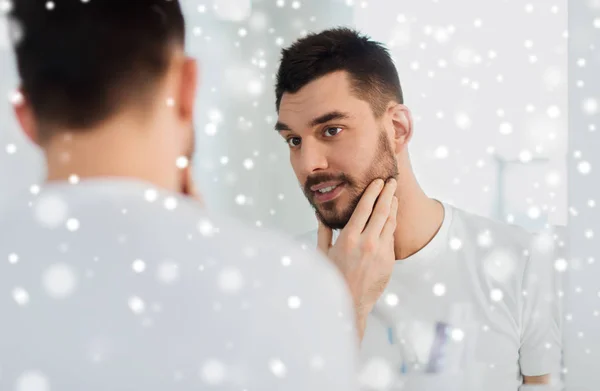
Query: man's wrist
[{"x": 361, "y": 325}]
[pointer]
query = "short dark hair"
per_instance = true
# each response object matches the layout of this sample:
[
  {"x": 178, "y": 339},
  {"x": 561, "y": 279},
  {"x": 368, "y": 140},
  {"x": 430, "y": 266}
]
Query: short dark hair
[
  {"x": 371, "y": 69},
  {"x": 80, "y": 61}
]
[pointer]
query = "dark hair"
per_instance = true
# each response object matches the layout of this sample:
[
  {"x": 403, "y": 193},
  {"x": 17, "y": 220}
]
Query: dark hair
[
  {"x": 80, "y": 61},
  {"x": 372, "y": 72}
]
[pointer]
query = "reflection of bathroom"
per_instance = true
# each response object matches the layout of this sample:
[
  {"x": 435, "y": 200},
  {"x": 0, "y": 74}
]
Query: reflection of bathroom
[{"x": 537, "y": 214}]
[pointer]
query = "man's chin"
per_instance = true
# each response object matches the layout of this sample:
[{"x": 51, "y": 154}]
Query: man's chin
[{"x": 333, "y": 222}]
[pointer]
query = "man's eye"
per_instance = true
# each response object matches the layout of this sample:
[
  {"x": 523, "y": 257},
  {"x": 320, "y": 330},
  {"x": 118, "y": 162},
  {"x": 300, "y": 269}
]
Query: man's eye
[
  {"x": 330, "y": 132},
  {"x": 293, "y": 141}
]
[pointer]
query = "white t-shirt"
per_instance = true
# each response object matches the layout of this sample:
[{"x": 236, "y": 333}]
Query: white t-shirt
[
  {"x": 482, "y": 290},
  {"x": 113, "y": 285}
]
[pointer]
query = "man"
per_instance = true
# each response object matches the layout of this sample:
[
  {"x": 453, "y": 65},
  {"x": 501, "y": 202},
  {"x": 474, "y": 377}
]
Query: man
[
  {"x": 453, "y": 292},
  {"x": 110, "y": 278}
]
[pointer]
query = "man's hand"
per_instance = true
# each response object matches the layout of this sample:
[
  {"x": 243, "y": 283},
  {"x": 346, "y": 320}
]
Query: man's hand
[{"x": 364, "y": 251}]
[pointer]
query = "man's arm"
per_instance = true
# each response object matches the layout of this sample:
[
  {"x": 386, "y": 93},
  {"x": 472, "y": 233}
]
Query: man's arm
[{"x": 541, "y": 342}]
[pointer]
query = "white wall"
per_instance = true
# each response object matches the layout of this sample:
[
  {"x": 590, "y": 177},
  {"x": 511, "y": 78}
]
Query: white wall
[{"x": 472, "y": 70}]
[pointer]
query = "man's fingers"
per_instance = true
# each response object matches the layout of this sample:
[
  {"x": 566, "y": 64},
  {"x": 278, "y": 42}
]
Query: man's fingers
[
  {"x": 325, "y": 238},
  {"x": 382, "y": 211},
  {"x": 363, "y": 210},
  {"x": 390, "y": 225}
]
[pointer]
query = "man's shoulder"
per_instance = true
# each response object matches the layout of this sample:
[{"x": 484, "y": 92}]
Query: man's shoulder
[
  {"x": 488, "y": 232},
  {"x": 140, "y": 220},
  {"x": 496, "y": 245}
]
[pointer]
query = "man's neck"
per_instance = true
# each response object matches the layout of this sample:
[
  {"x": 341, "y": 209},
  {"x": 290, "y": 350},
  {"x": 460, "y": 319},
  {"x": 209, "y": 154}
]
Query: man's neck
[
  {"x": 418, "y": 221},
  {"x": 107, "y": 152}
]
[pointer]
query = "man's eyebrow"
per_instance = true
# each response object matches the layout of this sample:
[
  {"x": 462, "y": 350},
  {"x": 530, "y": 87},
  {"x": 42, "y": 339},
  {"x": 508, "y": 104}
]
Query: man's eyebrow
[
  {"x": 333, "y": 115},
  {"x": 279, "y": 126}
]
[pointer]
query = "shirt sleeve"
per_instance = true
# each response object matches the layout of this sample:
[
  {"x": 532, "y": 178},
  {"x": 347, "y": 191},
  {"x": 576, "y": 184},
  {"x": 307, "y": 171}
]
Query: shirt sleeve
[{"x": 541, "y": 346}]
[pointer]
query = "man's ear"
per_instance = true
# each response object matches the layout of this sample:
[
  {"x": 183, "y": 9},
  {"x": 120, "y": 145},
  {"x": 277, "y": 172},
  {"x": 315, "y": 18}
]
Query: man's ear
[
  {"x": 402, "y": 124},
  {"x": 188, "y": 89},
  {"x": 25, "y": 116},
  {"x": 188, "y": 186}
]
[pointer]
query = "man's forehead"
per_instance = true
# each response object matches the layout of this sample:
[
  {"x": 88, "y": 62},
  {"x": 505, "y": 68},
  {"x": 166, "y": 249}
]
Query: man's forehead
[{"x": 299, "y": 110}]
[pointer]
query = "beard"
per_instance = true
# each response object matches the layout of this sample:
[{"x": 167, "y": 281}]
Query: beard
[{"x": 334, "y": 215}]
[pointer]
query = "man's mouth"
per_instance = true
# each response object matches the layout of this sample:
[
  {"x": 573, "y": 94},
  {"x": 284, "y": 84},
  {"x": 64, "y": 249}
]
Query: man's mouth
[{"x": 327, "y": 191}]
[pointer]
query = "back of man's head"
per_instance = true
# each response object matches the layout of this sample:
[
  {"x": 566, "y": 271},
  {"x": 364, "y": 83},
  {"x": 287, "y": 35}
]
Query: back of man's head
[{"x": 81, "y": 61}]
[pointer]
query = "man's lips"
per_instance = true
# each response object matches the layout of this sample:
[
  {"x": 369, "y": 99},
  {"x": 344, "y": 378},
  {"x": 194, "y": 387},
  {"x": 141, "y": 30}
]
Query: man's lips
[
  {"x": 319, "y": 197},
  {"x": 323, "y": 185}
]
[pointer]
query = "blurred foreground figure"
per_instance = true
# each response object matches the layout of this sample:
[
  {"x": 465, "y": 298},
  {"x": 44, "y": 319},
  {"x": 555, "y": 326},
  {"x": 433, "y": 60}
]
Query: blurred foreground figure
[{"x": 110, "y": 277}]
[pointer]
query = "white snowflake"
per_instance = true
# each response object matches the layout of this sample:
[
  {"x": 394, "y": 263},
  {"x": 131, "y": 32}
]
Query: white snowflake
[
  {"x": 294, "y": 302},
  {"x": 210, "y": 129},
  {"x": 441, "y": 152},
  {"x": 138, "y": 266},
  {"x": 213, "y": 372},
  {"x": 484, "y": 239},
  {"x": 59, "y": 281},
  {"x": 248, "y": 164},
  {"x": 277, "y": 367},
  {"x": 455, "y": 244},
  {"x": 11, "y": 149},
  {"x": 240, "y": 199},
  {"x": 506, "y": 128},
  {"x": 392, "y": 299},
  {"x": 561, "y": 265},
  {"x": 584, "y": 167},
  {"x": 458, "y": 335},
  {"x": 230, "y": 280},
  {"x": 50, "y": 210},
  {"x": 496, "y": 295},
  {"x": 170, "y": 203},
  {"x": 553, "y": 112},
  {"x": 462, "y": 120},
  {"x": 439, "y": 289},
  {"x": 590, "y": 106},
  {"x": 500, "y": 265},
  {"x": 32, "y": 381},
  {"x": 168, "y": 272},
  {"x": 136, "y": 305},
  {"x": 182, "y": 162},
  {"x": 376, "y": 374},
  {"x": 73, "y": 225},
  {"x": 206, "y": 228},
  {"x": 151, "y": 195},
  {"x": 21, "y": 296}
]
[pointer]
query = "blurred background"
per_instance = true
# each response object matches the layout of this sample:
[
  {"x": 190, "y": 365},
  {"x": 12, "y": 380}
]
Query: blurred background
[
  {"x": 486, "y": 81},
  {"x": 494, "y": 88}
]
